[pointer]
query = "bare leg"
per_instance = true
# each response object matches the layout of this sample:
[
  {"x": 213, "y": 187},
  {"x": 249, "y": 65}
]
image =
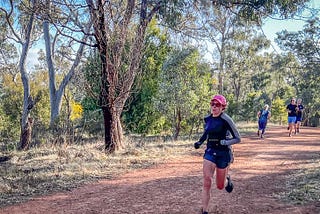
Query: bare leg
[
  {"x": 291, "y": 126},
  {"x": 221, "y": 177},
  {"x": 298, "y": 126},
  {"x": 208, "y": 171}
]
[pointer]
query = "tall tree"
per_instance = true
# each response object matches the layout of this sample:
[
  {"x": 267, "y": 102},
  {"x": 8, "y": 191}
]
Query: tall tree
[
  {"x": 60, "y": 54},
  {"x": 243, "y": 60},
  {"x": 217, "y": 27},
  {"x": 304, "y": 46},
  {"x": 184, "y": 90},
  {"x": 140, "y": 115},
  {"x": 23, "y": 16},
  {"x": 214, "y": 21},
  {"x": 119, "y": 30}
]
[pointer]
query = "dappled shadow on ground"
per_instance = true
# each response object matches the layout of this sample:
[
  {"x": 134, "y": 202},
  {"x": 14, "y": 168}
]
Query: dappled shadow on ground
[{"x": 259, "y": 173}]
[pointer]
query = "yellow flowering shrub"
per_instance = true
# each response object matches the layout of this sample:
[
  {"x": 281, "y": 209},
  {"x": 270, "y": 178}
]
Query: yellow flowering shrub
[{"x": 76, "y": 111}]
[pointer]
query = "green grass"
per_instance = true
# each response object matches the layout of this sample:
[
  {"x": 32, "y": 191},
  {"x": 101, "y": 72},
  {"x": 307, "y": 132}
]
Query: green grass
[{"x": 302, "y": 186}]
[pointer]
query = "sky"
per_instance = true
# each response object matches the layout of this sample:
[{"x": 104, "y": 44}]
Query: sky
[{"x": 270, "y": 26}]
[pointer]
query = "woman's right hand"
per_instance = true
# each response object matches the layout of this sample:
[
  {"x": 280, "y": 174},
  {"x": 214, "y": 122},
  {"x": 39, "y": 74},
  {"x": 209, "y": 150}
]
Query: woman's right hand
[{"x": 197, "y": 145}]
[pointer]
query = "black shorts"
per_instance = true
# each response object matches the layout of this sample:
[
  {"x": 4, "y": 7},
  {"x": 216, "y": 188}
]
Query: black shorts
[{"x": 221, "y": 158}]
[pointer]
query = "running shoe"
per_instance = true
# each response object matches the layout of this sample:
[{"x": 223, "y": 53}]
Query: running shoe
[
  {"x": 204, "y": 212},
  {"x": 258, "y": 133},
  {"x": 229, "y": 186}
]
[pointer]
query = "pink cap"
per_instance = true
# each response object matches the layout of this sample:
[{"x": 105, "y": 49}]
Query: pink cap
[{"x": 220, "y": 98}]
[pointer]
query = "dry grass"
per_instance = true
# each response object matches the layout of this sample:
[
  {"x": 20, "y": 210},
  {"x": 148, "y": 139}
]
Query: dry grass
[{"x": 49, "y": 169}]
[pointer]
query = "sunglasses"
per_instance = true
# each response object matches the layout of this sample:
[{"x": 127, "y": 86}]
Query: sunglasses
[{"x": 216, "y": 104}]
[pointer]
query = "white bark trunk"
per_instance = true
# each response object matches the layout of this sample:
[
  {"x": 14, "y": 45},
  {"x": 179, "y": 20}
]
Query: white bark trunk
[
  {"x": 27, "y": 99},
  {"x": 56, "y": 95}
]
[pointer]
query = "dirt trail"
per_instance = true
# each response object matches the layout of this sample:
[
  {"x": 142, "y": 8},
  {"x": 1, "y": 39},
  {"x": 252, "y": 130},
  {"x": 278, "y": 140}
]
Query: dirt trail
[{"x": 258, "y": 172}]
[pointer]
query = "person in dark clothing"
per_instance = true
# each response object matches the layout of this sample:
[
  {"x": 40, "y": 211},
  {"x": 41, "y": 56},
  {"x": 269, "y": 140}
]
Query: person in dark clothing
[
  {"x": 218, "y": 153},
  {"x": 292, "y": 115},
  {"x": 299, "y": 111}
]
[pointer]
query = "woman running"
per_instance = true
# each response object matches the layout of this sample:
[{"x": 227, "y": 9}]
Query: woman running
[
  {"x": 218, "y": 154},
  {"x": 300, "y": 108},
  {"x": 292, "y": 116},
  {"x": 263, "y": 117}
]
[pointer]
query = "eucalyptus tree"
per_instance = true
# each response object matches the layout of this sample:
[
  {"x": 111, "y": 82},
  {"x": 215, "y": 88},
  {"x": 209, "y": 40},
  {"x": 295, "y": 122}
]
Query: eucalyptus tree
[
  {"x": 65, "y": 33},
  {"x": 24, "y": 20},
  {"x": 215, "y": 21},
  {"x": 20, "y": 19},
  {"x": 243, "y": 60},
  {"x": 217, "y": 27},
  {"x": 8, "y": 52},
  {"x": 140, "y": 114},
  {"x": 119, "y": 31},
  {"x": 304, "y": 46},
  {"x": 9, "y": 124},
  {"x": 285, "y": 67},
  {"x": 184, "y": 90}
]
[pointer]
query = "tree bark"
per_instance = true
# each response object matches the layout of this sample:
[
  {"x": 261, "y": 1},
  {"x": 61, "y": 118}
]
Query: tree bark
[
  {"x": 28, "y": 103},
  {"x": 26, "y": 135},
  {"x": 115, "y": 82},
  {"x": 57, "y": 94},
  {"x": 177, "y": 124}
]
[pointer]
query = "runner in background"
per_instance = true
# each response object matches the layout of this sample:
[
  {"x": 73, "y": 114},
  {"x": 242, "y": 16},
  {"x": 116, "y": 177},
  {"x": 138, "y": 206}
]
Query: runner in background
[
  {"x": 291, "y": 108},
  {"x": 300, "y": 108},
  {"x": 218, "y": 154},
  {"x": 263, "y": 117}
]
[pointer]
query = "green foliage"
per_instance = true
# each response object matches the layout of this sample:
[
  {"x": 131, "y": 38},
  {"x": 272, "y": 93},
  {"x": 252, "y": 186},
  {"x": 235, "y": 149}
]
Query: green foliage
[
  {"x": 184, "y": 91},
  {"x": 243, "y": 61},
  {"x": 8, "y": 129},
  {"x": 278, "y": 111},
  {"x": 303, "y": 46},
  {"x": 11, "y": 104},
  {"x": 175, "y": 85},
  {"x": 258, "y": 9},
  {"x": 90, "y": 102},
  {"x": 140, "y": 115},
  {"x": 250, "y": 106},
  {"x": 39, "y": 87}
]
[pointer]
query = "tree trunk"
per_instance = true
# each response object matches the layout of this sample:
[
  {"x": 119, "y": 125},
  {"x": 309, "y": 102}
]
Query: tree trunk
[
  {"x": 177, "y": 125},
  {"x": 113, "y": 130},
  {"x": 117, "y": 134},
  {"x": 107, "y": 117},
  {"x": 28, "y": 103},
  {"x": 221, "y": 68},
  {"x": 57, "y": 94},
  {"x": 26, "y": 133},
  {"x": 115, "y": 83}
]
